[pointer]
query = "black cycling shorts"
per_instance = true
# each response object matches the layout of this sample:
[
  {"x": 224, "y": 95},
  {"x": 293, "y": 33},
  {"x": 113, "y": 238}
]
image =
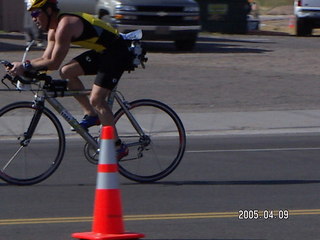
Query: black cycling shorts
[{"x": 108, "y": 65}]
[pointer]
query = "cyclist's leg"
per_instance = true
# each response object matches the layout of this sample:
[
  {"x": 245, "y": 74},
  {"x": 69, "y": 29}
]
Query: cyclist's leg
[
  {"x": 98, "y": 101},
  {"x": 84, "y": 64},
  {"x": 111, "y": 67}
]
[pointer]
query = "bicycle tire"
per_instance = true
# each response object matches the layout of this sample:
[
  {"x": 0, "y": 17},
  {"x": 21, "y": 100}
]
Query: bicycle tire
[
  {"x": 33, "y": 163},
  {"x": 167, "y": 142}
]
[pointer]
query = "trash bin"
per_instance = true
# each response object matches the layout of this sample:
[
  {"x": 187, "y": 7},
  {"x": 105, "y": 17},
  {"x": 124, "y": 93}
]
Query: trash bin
[{"x": 225, "y": 16}]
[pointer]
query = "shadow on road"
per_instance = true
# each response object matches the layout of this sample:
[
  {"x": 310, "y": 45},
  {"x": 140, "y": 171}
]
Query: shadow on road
[
  {"x": 8, "y": 42},
  {"x": 246, "y": 182},
  {"x": 9, "y": 47},
  {"x": 11, "y": 42},
  {"x": 207, "y": 45},
  {"x": 216, "y": 44},
  {"x": 184, "y": 183},
  {"x": 12, "y": 36}
]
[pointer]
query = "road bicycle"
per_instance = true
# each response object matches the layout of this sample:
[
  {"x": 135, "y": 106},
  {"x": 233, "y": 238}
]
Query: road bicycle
[{"x": 33, "y": 141}]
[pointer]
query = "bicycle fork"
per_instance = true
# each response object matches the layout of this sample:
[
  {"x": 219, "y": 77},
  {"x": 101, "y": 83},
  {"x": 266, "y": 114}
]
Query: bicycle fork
[{"x": 38, "y": 105}]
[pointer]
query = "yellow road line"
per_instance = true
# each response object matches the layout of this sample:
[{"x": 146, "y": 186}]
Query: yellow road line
[{"x": 147, "y": 217}]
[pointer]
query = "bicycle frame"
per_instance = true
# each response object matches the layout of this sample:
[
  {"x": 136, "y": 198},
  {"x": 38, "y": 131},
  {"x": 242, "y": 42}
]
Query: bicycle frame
[
  {"x": 68, "y": 117},
  {"x": 72, "y": 121},
  {"x": 51, "y": 98}
]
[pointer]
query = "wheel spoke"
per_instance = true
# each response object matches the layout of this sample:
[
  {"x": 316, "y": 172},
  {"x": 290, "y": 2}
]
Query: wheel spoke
[
  {"x": 11, "y": 159},
  {"x": 163, "y": 151}
]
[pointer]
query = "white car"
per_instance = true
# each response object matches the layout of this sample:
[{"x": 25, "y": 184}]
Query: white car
[{"x": 307, "y": 14}]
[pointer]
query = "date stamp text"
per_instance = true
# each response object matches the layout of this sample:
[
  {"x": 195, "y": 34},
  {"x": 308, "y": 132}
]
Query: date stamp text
[{"x": 254, "y": 214}]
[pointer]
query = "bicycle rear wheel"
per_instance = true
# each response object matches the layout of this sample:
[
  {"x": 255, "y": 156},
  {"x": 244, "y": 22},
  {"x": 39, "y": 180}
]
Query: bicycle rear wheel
[
  {"x": 29, "y": 162},
  {"x": 156, "y": 154}
]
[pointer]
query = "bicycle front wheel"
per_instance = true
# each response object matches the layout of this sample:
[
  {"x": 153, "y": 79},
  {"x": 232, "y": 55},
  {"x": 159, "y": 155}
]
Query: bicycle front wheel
[
  {"x": 26, "y": 162},
  {"x": 156, "y": 153}
]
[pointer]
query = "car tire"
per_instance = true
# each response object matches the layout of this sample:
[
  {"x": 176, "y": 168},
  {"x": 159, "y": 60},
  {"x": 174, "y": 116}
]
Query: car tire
[
  {"x": 303, "y": 28},
  {"x": 185, "y": 44}
]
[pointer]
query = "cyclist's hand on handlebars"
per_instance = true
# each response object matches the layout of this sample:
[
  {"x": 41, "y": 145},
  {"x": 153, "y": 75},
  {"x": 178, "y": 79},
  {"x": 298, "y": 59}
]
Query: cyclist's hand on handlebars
[{"x": 16, "y": 70}]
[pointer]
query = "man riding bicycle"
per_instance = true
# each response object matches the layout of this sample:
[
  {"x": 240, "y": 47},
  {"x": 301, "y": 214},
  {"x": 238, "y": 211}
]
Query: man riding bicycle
[{"x": 107, "y": 58}]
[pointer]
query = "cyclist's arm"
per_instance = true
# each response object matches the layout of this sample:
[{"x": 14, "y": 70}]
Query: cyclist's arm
[
  {"x": 37, "y": 63},
  {"x": 58, "y": 47},
  {"x": 59, "y": 41},
  {"x": 48, "y": 51}
]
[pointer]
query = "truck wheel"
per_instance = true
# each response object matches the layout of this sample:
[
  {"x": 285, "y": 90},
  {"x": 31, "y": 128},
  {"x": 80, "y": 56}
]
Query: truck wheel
[
  {"x": 303, "y": 28},
  {"x": 185, "y": 45}
]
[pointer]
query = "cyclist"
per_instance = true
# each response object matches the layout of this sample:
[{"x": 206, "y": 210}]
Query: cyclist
[{"x": 107, "y": 58}]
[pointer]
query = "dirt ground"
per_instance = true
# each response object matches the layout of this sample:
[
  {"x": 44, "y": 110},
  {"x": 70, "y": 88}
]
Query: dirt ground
[
  {"x": 284, "y": 26},
  {"x": 282, "y": 10}
]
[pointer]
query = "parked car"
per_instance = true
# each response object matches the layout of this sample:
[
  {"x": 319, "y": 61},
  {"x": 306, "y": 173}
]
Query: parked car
[
  {"x": 176, "y": 20},
  {"x": 88, "y": 6},
  {"x": 307, "y": 14}
]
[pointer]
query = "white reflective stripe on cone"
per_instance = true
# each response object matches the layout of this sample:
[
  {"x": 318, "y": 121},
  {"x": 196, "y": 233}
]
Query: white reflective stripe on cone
[
  {"x": 107, "y": 181},
  {"x": 107, "y": 154}
]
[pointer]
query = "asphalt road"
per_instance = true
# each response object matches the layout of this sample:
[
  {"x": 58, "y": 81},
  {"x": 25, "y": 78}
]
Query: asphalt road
[{"x": 205, "y": 198}]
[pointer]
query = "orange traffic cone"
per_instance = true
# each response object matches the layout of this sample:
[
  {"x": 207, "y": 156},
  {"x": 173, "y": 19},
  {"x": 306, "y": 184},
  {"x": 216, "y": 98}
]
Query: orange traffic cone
[
  {"x": 292, "y": 22},
  {"x": 107, "y": 219}
]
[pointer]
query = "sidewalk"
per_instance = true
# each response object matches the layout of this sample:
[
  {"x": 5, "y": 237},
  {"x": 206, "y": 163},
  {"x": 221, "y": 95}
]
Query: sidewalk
[
  {"x": 263, "y": 122},
  {"x": 247, "y": 123}
]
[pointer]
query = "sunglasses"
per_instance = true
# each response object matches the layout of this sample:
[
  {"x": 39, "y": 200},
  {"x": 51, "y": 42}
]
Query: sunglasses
[{"x": 36, "y": 13}]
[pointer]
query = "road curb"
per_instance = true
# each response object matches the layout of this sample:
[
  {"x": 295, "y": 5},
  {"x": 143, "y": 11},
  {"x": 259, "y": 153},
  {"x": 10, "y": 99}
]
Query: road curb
[{"x": 261, "y": 122}]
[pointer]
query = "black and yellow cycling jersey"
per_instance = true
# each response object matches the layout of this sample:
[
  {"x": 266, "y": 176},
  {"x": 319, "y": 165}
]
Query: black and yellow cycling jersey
[{"x": 97, "y": 34}]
